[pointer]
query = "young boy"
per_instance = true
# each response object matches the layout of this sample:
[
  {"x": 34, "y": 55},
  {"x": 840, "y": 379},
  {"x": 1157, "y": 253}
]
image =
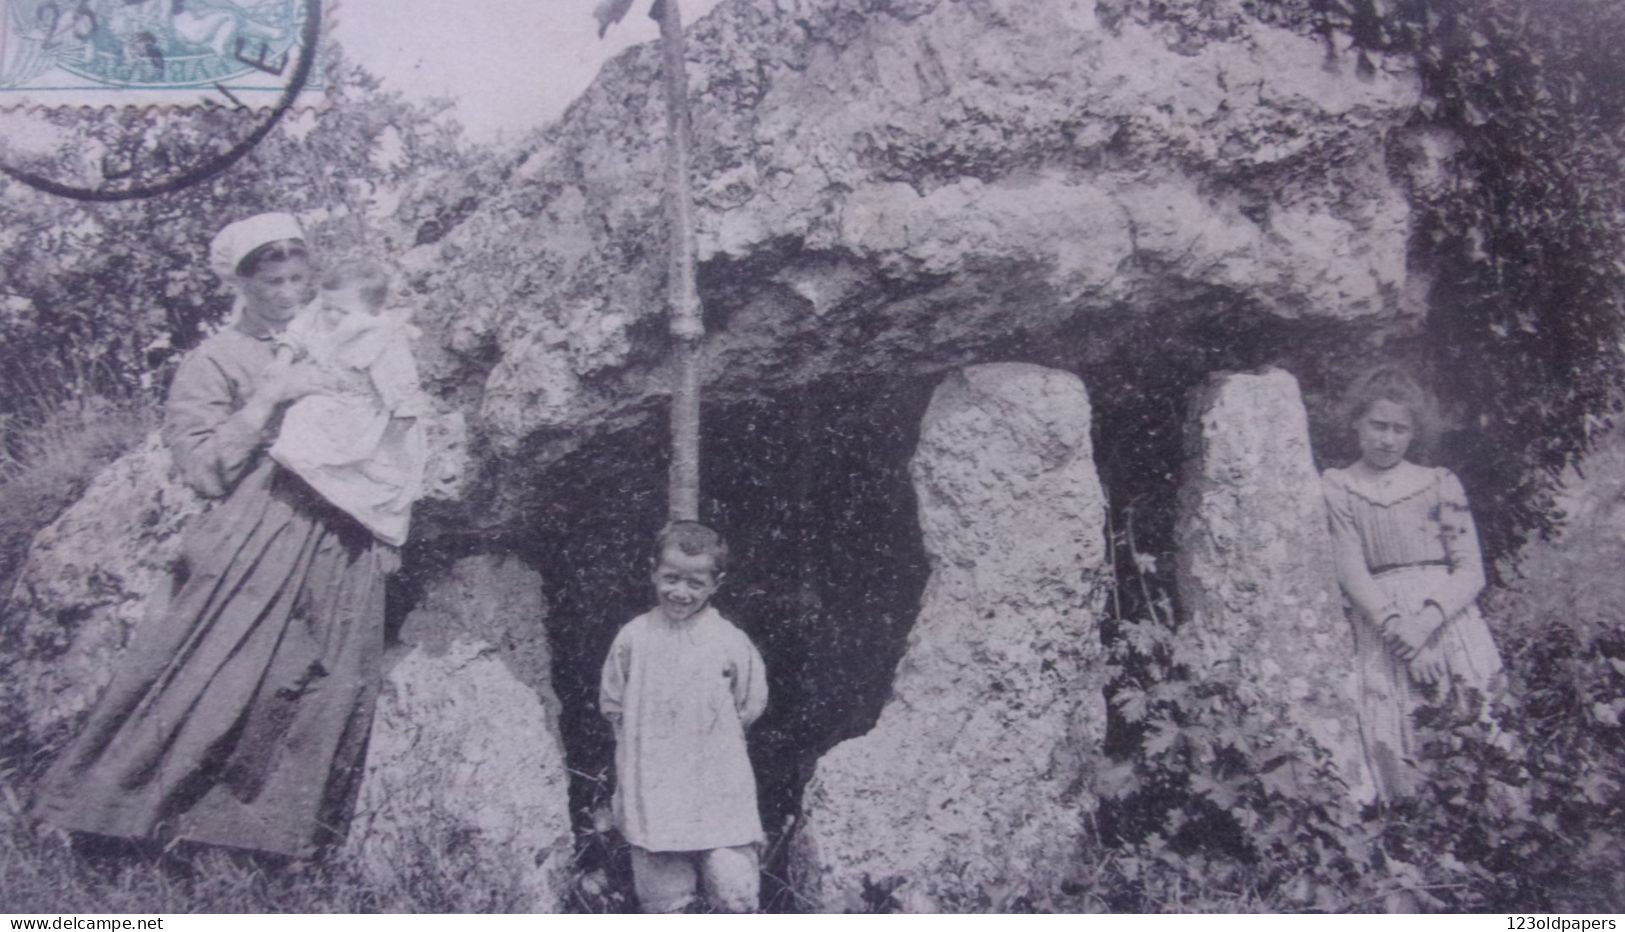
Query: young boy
[{"x": 681, "y": 684}]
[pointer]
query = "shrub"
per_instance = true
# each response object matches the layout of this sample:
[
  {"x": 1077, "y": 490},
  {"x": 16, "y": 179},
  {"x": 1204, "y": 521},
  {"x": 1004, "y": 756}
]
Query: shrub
[
  {"x": 1215, "y": 794},
  {"x": 1210, "y": 804},
  {"x": 1532, "y": 811},
  {"x": 113, "y": 292}
]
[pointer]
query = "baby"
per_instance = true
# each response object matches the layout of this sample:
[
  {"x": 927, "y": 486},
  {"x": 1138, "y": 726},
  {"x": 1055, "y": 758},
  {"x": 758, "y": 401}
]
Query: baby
[
  {"x": 680, "y": 686},
  {"x": 361, "y": 445}
]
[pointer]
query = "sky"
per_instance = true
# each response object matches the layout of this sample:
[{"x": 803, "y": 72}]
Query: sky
[{"x": 510, "y": 65}]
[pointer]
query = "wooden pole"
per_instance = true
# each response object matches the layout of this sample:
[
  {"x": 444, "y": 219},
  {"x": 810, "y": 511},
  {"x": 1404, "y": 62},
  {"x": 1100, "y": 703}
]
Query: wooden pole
[{"x": 682, "y": 297}]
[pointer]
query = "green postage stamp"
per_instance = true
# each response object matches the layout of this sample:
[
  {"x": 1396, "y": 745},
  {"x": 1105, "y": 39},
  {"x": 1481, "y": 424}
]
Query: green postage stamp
[{"x": 235, "y": 53}]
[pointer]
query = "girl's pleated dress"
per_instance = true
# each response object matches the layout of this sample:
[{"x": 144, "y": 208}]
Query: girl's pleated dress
[
  {"x": 1420, "y": 546},
  {"x": 240, "y": 711}
]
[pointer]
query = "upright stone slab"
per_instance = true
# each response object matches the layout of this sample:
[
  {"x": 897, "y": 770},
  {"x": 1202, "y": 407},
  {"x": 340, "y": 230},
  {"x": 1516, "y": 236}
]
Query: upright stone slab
[
  {"x": 970, "y": 791},
  {"x": 466, "y": 783},
  {"x": 1255, "y": 570}
]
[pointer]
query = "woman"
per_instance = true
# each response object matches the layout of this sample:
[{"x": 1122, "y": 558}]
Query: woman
[
  {"x": 1408, "y": 559},
  {"x": 239, "y": 714}
]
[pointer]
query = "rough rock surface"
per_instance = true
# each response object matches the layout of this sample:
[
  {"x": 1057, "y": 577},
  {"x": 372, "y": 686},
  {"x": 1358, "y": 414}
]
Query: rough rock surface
[
  {"x": 1255, "y": 572},
  {"x": 972, "y": 784},
  {"x": 906, "y": 186},
  {"x": 89, "y": 575},
  {"x": 466, "y": 780},
  {"x": 86, "y": 585},
  {"x": 886, "y": 187}
]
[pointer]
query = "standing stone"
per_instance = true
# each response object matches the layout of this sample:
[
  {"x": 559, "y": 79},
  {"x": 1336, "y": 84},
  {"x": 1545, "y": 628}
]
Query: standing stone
[
  {"x": 1255, "y": 570},
  {"x": 971, "y": 791},
  {"x": 466, "y": 785}
]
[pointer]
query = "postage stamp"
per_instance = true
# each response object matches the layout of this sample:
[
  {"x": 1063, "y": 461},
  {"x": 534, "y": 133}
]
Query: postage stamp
[
  {"x": 158, "y": 52},
  {"x": 201, "y": 81}
]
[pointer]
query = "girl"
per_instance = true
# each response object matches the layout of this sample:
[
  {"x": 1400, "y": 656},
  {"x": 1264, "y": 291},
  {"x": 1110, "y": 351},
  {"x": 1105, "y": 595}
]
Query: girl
[
  {"x": 1408, "y": 560},
  {"x": 240, "y": 711}
]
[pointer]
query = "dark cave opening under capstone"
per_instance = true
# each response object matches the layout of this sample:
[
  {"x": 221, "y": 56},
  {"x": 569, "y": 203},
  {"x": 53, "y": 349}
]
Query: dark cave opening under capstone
[{"x": 811, "y": 489}]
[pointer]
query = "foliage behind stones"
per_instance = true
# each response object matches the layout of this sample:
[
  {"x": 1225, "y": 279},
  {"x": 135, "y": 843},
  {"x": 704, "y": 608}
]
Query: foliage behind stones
[{"x": 1528, "y": 300}]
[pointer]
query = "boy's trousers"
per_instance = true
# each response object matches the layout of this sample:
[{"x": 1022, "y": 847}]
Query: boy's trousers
[{"x": 666, "y": 881}]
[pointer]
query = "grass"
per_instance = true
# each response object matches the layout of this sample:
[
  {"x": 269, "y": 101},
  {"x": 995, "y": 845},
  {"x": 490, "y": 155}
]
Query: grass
[
  {"x": 41, "y": 874},
  {"x": 50, "y": 451}
]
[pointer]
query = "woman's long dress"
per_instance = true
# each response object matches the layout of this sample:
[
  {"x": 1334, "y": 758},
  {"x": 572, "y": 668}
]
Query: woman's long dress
[
  {"x": 240, "y": 711},
  {"x": 1420, "y": 546}
]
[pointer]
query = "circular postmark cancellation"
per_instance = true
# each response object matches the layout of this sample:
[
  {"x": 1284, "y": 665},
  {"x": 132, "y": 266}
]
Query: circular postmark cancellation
[{"x": 193, "y": 85}]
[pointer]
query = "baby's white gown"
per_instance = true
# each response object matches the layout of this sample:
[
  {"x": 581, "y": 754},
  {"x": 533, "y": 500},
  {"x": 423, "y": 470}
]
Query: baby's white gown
[{"x": 362, "y": 446}]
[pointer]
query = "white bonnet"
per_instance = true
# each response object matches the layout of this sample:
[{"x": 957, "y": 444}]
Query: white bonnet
[{"x": 233, "y": 243}]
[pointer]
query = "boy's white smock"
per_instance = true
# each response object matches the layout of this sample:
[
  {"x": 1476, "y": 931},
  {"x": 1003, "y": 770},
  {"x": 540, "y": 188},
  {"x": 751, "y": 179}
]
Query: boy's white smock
[
  {"x": 681, "y": 695},
  {"x": 361, "y": 445}
]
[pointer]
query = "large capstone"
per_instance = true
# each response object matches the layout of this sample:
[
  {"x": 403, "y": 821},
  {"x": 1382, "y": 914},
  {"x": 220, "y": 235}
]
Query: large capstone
[
  {"x": 1255, "y": 570},
  {"x": 970, "y": 791},
  {"x": 903, "y": 187},
  {"x": 466, "y": 785}
]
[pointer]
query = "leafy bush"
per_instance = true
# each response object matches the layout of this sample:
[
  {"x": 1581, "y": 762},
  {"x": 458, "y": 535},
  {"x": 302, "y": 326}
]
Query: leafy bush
[
  {"x": 1215, "y": 788},
  {"x": 1518, "y": 814},
  {"x": 1212, "y": 804},
  {"x": 1524, "y": 333},
  {"x": 1532, "y": 811}
]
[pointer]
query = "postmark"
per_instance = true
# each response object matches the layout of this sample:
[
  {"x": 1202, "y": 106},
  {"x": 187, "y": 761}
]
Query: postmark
[
  {"x": 146, "y": 52},
  {"x": 177, "y": 68}
]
